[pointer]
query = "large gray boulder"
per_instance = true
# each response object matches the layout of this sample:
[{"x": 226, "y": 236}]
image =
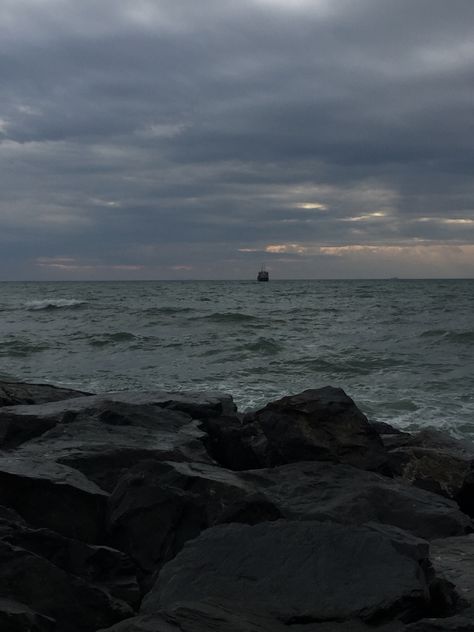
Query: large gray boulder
[
  {"x": 453, "y": 558},
  {"x": 103, "y": 436},
  {"x": 316, "y": 425},
  {"x": 299, "y": 572},
  {"x": 158, "y": 506},
  {"x": 433, "y": 460},
  {"x": 105, "y": 441},
  {"x": 19, "y": 424},
  {"x": 344, "y": 494},
  {"x": 54, "y": 496}
]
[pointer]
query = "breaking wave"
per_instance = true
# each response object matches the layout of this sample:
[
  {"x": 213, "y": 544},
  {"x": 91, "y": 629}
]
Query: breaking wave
[
  {"x": 229, "y": 317},
  {"x": 20, "y": 348},
  {"x": 111, "y": 339},
  {"x": 58, "y": 303},
  {"x": 167, "y": 311}
]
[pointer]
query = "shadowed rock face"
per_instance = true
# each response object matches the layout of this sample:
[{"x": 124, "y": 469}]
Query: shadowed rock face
[
  {"x": 452, "y": 624},
  {"x": 433, "y": 460},
  {"x": 16, "y": 617},
  {"x": 316, "y": 425},
  {"x": 75, "y": 604},
  {"x": 48, "y": 494},
  {"x": 157, "y": 507},
  {"x": 296, "y": 571},
  {"x": 341, "y": 493},
  {"x": 453, "y": 558},
  {"x": 283, "y": 519},
  {"x": 106, "y": 568}
]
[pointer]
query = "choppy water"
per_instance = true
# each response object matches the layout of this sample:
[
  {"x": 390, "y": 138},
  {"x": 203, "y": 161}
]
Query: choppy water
[{"x": 403, "y": 349}]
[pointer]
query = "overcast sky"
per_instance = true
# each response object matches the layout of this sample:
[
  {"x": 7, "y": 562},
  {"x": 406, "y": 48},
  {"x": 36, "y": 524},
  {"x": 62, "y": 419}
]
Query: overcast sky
[{"x": 174, "y": 139}]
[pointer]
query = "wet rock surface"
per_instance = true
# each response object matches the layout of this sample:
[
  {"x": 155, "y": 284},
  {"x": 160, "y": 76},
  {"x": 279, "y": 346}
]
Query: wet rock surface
[
  {"x": 344, "y": 494},
  {"x": 453, "y": 558},
  {"x": 318, "y": 424},
  {"x": 15, "y": 393},
  {"x": 157, "y": 507},
  {"x": 432, "y": 460},
  {"x": 298, "y": 571},
  {"x": 168, "y": 512}
]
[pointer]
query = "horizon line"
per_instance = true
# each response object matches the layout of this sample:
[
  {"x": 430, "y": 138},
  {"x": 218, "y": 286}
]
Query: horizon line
[{"x": 194, "y": 280}]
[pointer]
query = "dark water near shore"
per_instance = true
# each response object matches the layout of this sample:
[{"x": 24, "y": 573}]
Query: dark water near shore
[{"x": 403, "y": 349}]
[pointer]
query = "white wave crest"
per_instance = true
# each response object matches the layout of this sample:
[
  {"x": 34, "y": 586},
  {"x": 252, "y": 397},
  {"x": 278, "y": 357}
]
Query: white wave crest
[{"x": 49, "y": 303}]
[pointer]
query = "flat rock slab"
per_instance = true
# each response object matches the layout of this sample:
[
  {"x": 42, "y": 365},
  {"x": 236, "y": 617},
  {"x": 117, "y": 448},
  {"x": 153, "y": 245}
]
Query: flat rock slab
[
  {"x": 297, "y": 572},
  {"x": 341, "y": 493},
  {"x": 453, "y": 558},
  {"x": 105, "y": 451},
  {"x": 14, "y": 393},
  {"x": 19, "y": 424},
  {"x": 50, "y": 495},
  {"x": 195, "y": 404}
]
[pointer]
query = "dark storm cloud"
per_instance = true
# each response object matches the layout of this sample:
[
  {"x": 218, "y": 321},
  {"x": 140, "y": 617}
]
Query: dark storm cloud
[{"x": 191, "y": 139}]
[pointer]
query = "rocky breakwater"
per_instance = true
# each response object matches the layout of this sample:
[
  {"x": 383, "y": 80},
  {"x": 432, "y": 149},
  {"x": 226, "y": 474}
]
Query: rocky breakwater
[{"x": 169, "y": 512}]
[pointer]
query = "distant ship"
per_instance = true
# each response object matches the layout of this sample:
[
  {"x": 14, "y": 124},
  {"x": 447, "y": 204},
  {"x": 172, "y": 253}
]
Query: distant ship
[{"x": 262, "y": 275}]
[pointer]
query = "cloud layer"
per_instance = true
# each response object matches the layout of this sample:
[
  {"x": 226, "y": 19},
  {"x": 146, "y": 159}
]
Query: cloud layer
[{"x": 183, "y": 139}]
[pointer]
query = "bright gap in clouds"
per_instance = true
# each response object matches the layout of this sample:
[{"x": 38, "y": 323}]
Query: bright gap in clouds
[{"x": 321, "y": 7}]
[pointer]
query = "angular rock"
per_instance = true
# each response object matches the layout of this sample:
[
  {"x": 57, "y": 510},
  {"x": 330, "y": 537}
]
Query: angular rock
[
  {"x": 434, "y": 460},
  {"x": 344, "y": 494},
  {"x": 54, "y": 496},
  {"x": 158, "y": 506},
  {"x": 221, "y": 617},
  {"x": 101, "y": 566},
  {"x": 19, "y": 424},
  {"x": 453, "y": 558},
  {"x": 316, "y": 425},
  {"x": 383, "y": 428},
  {"x": 391, "y": 437},
  {"x": 298, "y": 572},
  {"x": 15, "y": 393},
  {"x": 234, "y": 445},
  {"x": 49, "y": 591},
  {"x": 16, "y": 617},
  {"x": 201, "y": 617},
  {"x": 457, "y": 623},
  {"x": 104, "y": 441},
  {"x": 198, "y": 405}
]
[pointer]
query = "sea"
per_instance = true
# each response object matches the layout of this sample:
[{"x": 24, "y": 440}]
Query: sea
[{"x": 402, "y": 349}]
